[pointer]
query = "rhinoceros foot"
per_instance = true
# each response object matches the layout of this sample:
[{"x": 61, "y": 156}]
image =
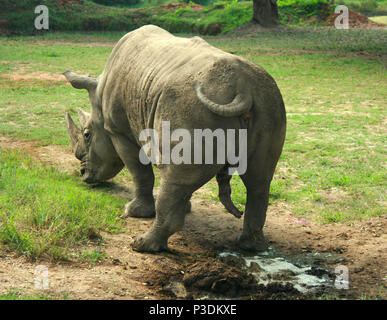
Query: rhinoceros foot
[
  {"x": 149, "y": 243},
  {"x": 140, "y": 208},
  {"x": 256, "y": 242}
]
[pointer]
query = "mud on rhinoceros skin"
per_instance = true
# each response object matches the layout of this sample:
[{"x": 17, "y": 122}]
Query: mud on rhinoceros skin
[{"x": 152, "y": 76}]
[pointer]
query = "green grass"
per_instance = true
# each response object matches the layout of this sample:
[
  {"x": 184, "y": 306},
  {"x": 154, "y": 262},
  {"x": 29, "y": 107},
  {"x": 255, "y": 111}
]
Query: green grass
[
  {"x": 42, "y": 104},
  {"x": 333, "y": 84},
  {"x": 45, "y": 213},
  {"x": 92, "y": 257},
  {"x": 380, "y": 19},
  {"x": 144, "y": 3},
  {"x": 19, "y": 295},
  {"x": 368, "y": 7}
]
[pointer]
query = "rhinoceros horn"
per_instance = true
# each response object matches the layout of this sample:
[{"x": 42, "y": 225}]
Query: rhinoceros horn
[
  {"x": 73, "y": 130},
  {"x": 83, "y": 117},
  {"x": 79, "y": 82}
]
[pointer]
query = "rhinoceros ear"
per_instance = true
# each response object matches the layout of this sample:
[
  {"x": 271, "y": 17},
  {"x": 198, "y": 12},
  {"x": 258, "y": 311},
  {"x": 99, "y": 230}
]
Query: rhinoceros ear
[
  {"x": 83, "y": 117},
  {"x": 73, "y": 130},
  {"x": 81, "y": 81}
]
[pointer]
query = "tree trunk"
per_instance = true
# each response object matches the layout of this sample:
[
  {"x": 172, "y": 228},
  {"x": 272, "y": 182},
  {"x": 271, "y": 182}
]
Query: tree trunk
[{"x": 265, "y": 12}]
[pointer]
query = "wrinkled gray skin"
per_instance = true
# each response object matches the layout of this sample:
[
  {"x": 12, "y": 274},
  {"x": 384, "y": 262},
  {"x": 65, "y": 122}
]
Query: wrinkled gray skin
[{"x": 152, "y": 76}]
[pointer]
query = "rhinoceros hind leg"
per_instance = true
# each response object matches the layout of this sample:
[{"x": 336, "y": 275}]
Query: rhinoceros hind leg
[
  {"x": 172, "y": 205},
  {"x": 140, "y": 208},
  {"x": 253, "y": 242},
  {"x": 149, "y": 243},
  {"x": 252, "y": 237},
  {"x": 257, "y": 179}
]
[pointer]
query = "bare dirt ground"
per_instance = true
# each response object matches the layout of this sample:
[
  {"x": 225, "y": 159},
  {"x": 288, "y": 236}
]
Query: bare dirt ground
[
  {"x": 192, "y": 260},
  {"x": 34, "y": 75}
]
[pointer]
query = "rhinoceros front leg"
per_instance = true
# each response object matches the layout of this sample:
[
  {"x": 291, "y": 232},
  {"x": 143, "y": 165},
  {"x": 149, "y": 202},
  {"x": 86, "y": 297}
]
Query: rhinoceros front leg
[
  {"x": 143, "y": 204},
  {"x": 171, "y": 208}
]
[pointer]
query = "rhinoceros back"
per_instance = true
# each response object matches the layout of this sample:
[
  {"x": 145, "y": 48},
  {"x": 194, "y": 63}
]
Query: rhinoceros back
[{"x": 150, "y": 65}]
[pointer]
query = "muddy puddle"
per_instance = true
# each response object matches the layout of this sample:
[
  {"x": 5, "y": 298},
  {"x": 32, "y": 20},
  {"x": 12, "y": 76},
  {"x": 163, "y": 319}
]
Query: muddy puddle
[
  {"x": 305, "y": 273},
  {"x": 267, "y": 275}
]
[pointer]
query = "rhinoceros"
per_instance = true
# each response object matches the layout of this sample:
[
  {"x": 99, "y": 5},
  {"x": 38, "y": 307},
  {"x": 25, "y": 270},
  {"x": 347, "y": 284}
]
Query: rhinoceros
[{"x": 151, "y": 77}]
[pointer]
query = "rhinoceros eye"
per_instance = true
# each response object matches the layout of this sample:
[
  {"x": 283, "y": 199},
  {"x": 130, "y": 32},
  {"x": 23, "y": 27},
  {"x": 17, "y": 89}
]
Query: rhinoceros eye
[{"x": 86, "y": 134}]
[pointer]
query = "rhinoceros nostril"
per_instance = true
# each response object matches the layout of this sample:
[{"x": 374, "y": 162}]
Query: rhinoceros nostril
[{"x": 83, "y": 171}]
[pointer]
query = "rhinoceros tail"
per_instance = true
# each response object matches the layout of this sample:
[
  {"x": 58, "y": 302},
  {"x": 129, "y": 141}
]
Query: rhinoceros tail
[
  {"x": 241, "y": 104},
  {"x": 223, "y": 179}
]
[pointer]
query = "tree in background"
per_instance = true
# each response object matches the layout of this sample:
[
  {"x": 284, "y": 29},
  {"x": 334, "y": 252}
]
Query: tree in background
[{"x": 265, "y": 12}]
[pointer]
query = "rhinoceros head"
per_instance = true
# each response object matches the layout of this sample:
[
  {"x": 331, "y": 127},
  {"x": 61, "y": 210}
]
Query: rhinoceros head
[{"x": 90, "y": 143}]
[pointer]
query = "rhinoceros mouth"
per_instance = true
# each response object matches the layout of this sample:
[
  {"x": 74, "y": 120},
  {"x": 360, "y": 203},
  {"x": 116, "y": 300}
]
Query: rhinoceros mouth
[
  {"x": 89, "y": 179},
  {"x": 87, "y": 175}
]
